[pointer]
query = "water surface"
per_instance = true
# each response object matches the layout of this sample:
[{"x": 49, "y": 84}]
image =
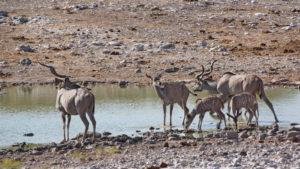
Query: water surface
[{"x": 31, "y": 109}]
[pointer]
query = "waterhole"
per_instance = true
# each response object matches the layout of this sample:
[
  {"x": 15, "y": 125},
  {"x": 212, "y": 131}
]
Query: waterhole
[{"x": 31, "y": 109}]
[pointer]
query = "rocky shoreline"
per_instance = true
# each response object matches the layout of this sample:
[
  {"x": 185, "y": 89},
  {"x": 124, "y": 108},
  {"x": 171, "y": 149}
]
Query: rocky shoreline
[{"x": 262, "y": 147}]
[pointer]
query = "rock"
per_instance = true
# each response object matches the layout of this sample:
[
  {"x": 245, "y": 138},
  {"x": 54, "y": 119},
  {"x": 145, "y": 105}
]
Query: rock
[
  {"x": 210, "y": 135},
  {"x": 260, "y": 14},
  {"x": 115, "y": 43},
  {"x": 232, "y": 135},
  {"x": 106, "y": 51},
  {"x": 38, "y": 19},
  {"x": 243, "y": 134},
  {"x": 294, "y": 128},
  {"x": 25, "y": 62},
  {"x": 202, "y": 148},
  {"x": 97, "y": 43},
  {"x": 168, "y": 46},
  {"x": 171, "y": 70},
  {"x": 218, "y": 135},
  {"x": 28, "y": 134},
  {"x": 163, "y": 165},
  {"x": 275, "y": 127},
  {"x": 25, "y": 48},
  {"x": 202, "y": 43},
  {"x": 115, "y": 53},
  {"x": 139, "y": 47},
  {"x": 293, "y": 134},
  {"x": 19, "y": 20},
  {"x": 4, "y": 13},
  {"x": 35, "y": 152},
  {"x": 106, "y": 133},
  {"x": 166, "y": 144},
  {"x": 286, "y": 28},
  {"x": 243, "y": 153},
  {"x": 231, "y": 27},
  {"x": 123, "y": 83},
  {"x": 262, "y": 136},
  {"x": 138, "y": 70}
]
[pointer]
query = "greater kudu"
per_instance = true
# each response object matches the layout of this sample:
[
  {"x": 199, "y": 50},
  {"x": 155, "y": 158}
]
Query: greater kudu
[
  {"x": 211, "y": 104},
  {"x": 71, "y": 99},
  {"x": 230, "y": 84},
  {"x": 171, "y": 93},
  {"x": 243, "y": 100}
]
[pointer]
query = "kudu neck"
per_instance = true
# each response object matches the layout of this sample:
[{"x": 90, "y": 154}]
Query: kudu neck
[
  {"x": 160, "y": 91},
  {"x": 211, "y": 86}
]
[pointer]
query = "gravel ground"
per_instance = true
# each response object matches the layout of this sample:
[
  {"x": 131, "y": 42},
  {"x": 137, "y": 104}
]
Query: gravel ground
[
  {"x": 117, "y": 40},
  {"x": 263, "y": 147}
]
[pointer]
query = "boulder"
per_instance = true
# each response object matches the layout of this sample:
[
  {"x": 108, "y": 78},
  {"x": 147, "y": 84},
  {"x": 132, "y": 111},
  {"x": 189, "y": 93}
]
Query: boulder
[
  {"x": 232, "y": 135},
  {"x": 25, "y": 62},
  {"x": 25, "y": 48}
]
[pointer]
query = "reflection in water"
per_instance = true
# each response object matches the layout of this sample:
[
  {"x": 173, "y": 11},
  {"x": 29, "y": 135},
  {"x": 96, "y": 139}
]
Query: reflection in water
[{"x": 118, "y": 110}]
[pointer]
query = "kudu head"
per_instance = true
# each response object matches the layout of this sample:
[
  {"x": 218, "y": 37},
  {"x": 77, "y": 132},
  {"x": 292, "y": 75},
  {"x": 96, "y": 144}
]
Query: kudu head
[
  {"x": 188, "y": 121},
  {"x": 65, "y": 83},
  {"x": 235, "y": 118},
  {"x": 155, "y": 80},
  {"x": 201, "y": 83}
]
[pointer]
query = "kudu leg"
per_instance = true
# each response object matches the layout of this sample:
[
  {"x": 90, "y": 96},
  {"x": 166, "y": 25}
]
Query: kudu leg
[
  {"x": 171, "y": 111},
  {"x": 201, "y": 117},
  {"x": 270, "y": 105},
  {"x": 185, "y": 109},
  {"x": 68, "y": 125},
  {"x": 222, "y": 117},
  {"x": 63, "y": 118},
  {"x": 164, "y": 109},
  {"x": 86, "y": 124},
  {"x": 250, "y": 116},
  {"x": 92, "y": 118}
]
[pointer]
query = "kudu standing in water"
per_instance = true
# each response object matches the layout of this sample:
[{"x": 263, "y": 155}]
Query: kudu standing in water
[
  {"x": 211, "y": 104},
  {"x": 71, "y": 99},
  {"x": 243, "y": 100},
  {"x": 230, "y": 84},
  {"x": 171, "y": 93}
]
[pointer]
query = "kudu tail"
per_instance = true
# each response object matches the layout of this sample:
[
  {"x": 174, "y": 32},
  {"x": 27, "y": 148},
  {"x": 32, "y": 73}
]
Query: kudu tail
[
  {"x": 92, "y": 107},
  {"x": 262, "y": 95}
]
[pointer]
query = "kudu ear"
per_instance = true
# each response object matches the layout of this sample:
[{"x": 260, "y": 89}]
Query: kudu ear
[
  {"x": 57, "y": 81},
  {"x": 159, "y": 76},
  {"x": 148, "y": 76},
  {"x": 238, "y": 114}
]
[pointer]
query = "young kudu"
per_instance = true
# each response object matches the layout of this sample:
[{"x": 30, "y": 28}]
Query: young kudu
[
  {"x": 243, "y": 100},
  {"x": 171, "y": 93},
  {"x": 71, "y": 99},
  {"x": 230, "y": 84},
  {"x": 211, "y": 104}
]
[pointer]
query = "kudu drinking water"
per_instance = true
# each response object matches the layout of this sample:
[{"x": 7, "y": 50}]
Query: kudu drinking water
[
  {"x": 230, "y": 84},
  {"x": 71, "y": 99},
  {"x": 171, "y": 93},
  {"x": 211, "y": 104},
  {"x": 243, "y": 100}
]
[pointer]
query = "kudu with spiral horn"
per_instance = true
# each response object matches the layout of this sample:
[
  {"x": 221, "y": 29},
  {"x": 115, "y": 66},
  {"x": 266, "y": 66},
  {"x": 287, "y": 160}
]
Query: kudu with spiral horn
[
  {"x": 231, "y": 84},
  {"x": 71, "y": 99}
]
